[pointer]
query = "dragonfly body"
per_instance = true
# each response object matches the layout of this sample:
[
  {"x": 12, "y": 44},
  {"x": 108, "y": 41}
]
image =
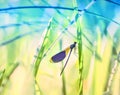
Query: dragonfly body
[
  {"x": 73, "y": 45},
  {"x": 61, "y": 55}
]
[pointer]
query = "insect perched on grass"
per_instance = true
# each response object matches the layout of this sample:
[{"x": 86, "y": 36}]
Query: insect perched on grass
[{"x": 61, "y": 55}]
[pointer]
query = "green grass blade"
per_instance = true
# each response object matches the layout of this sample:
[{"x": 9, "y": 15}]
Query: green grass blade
[
  {"x": 39, "y": 89},
  {"x": 79, "y": 37},
  {"x": 79, "y": 40},
  {"x": 42, "y": 49},
  {"x": 6, "y": 75},
  {"x": 10, "y": 70}
]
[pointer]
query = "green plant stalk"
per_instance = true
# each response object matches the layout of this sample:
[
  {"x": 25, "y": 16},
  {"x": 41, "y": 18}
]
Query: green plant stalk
[
  {"x": 63, "y": 76},
  {"x": 41, "y": 51},
  {"x": 40, "y": 92},
  {"x": 80, "y": 61},
  {"x": 63, "y": 84},
  {"x": 6, "y": 74},
  {"x": 79, "y": 40}
]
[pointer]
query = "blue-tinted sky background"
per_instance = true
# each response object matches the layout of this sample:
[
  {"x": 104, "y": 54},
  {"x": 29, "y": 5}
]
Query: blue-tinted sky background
[{"x": 23, "y": 27}]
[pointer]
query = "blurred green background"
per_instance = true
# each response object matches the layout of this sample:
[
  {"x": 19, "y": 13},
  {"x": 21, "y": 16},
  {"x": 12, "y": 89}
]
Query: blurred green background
[{"x": 32, "y": 31}]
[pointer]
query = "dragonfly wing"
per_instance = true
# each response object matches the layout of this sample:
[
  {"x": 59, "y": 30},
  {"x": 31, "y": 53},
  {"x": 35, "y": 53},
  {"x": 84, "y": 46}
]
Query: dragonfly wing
[{"x": 58, "y": 57}]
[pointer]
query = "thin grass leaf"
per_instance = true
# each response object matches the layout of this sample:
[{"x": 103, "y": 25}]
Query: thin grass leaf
[
  {"x": 110, "y": 80},
  {"x": 1, "y": 77},
  {"x": 9, "y": 70},
  {"x": 63, "y": 84},
  {"x": 7, "y": 73},
  {"x": 112, "y": 75},
  {"x": 39, "y": 89},
  {"x": 79, "y": 39},
  {"x": 42, "y": 49}
]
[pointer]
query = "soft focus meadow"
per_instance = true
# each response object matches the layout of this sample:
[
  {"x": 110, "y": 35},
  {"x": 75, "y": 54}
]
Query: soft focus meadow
[{"x": 32, "y": 31}]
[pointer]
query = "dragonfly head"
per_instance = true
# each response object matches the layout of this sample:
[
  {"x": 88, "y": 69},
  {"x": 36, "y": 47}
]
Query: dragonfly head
[{"x": 73, "y": 45}]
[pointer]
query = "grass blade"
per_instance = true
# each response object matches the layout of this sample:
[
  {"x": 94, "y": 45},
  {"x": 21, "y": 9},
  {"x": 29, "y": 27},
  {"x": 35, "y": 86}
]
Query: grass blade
[
  {"x": 41, "y": 51},
  {"x": 6, "y": 75},
  {"x": 79, "y": 39},
  {"x": 80, "y": 58}
]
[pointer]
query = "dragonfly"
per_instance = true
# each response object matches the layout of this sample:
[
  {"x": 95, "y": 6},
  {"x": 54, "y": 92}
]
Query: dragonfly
[{"x": 61, "y": 56}]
